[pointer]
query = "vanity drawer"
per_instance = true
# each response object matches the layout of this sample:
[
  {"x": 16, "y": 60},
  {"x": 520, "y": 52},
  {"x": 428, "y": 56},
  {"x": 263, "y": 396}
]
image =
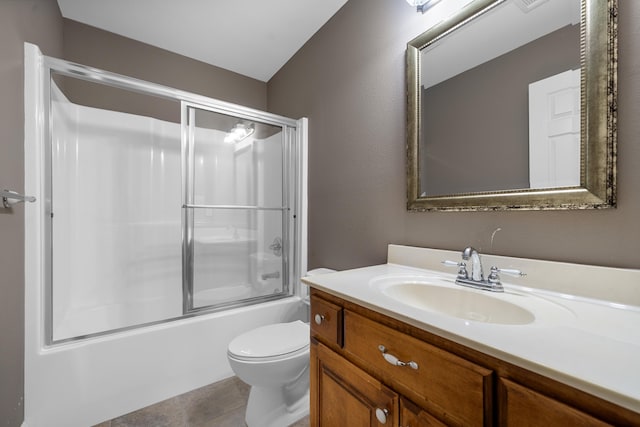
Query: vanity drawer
[
  {"x": 521, "y": 406},
  {"x": 455, "y": 390},
  {"x": 326, "y": 321}
]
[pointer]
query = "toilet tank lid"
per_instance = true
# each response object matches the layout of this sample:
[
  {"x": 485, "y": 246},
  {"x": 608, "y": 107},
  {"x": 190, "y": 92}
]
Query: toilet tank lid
[
  {"x": 271, "y": 340},
  {"x": 319, "y": 271}
]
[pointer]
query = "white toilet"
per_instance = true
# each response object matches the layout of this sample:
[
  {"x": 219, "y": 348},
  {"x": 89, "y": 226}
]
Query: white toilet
[{"x": 274, "y": 361}]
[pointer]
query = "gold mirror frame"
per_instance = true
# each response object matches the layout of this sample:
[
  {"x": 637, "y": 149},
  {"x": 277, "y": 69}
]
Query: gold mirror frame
[{"x": 598, "y": 127}]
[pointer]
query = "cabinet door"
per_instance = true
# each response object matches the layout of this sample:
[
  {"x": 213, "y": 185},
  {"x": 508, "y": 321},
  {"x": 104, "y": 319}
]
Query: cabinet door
[
  {"x": 343, "y": 395},
  {"x": 411, "y": 415},
  {"x": 523, "y": 407}
]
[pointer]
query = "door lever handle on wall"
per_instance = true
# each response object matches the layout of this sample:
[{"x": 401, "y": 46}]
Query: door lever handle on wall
[{"x": 10, "y": 198}]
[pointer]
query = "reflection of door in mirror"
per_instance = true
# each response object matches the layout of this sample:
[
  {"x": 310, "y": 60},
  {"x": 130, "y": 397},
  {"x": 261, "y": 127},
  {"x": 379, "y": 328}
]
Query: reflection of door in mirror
[{"x": 554, "y": 131}]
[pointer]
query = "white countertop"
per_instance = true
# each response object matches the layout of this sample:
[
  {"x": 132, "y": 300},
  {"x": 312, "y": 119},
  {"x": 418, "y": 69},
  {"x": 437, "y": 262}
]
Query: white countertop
[{"x": 589, "y": 344}]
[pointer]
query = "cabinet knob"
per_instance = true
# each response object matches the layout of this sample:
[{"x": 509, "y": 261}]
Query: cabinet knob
[
  {"x": 381, "y": 415},
  {"x": 318, "y": 318}
]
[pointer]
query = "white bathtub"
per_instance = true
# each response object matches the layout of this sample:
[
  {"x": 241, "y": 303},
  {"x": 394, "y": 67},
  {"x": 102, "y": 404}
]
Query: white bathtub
[{"x": 85, "y": 383}]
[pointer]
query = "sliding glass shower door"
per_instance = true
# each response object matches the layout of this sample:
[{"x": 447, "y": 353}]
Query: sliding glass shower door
[
  {"x": 161, "y": 203},
  {"x": 234, "y": 209}
]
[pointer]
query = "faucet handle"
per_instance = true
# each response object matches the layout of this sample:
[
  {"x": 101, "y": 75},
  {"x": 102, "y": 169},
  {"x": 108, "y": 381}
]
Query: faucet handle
[
  {"x": 509, "y": 271},
  {"x": 451, "y": 263},
  {"x": 494, "y": 278},
  {"x": 462, "y": 268}
]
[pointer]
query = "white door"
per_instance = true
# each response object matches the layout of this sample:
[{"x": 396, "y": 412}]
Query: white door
[{"x": 554, "y": 131}]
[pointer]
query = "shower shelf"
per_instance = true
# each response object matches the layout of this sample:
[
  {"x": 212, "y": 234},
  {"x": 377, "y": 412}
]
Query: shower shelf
[{"x": 10, "y": 198}]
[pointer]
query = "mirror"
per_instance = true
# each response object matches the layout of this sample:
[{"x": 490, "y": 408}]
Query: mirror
[{"x": 512, "y": 105}]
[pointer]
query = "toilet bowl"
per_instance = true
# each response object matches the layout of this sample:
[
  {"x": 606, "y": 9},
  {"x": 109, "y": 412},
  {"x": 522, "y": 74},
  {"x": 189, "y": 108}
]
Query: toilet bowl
[{"x": 274, "y": 361}]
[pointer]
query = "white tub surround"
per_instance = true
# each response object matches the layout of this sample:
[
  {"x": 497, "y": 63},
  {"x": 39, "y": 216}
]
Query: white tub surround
[{"x": 584, "y": 333}]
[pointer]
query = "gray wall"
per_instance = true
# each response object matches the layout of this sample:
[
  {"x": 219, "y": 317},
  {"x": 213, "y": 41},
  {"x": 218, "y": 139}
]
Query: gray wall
[
  {"x": 475, "y": 127},
  {"x": 40, "y": 22},
  {"x": 91, "y": 46},
  {"x": 349, "y": 80}
]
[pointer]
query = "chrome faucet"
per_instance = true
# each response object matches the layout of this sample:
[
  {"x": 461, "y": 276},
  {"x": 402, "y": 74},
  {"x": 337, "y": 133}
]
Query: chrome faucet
[
  {"x": 476, "y": 279},
  {"x": 477, "y": 274}
]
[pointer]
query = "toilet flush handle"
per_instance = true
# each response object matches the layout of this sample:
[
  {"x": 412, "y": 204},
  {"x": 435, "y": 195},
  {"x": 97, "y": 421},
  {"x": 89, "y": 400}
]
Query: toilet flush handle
[{"x": 318, "y": 318}]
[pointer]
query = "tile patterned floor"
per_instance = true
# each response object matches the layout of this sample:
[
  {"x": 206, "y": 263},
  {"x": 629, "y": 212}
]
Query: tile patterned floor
[{"x": 221, "y": 404}]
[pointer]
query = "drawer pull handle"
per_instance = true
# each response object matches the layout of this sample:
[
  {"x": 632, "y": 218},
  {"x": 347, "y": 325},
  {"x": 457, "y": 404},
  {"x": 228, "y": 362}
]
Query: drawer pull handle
[
  {"x": 394, "y": 360},
  {"x": 318, "y": 319},
  {"x": 381, "y": 415}
]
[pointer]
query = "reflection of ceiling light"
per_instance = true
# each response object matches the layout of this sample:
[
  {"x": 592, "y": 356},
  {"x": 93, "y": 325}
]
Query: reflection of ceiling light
[
  {"x": 238, "y": 133},
  {"x": 423, "y": 5}
]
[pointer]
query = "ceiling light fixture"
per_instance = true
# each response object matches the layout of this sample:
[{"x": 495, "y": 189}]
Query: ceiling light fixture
[
  {"x": 423, "y": 5},
  {"x": 239, "y": 132}
]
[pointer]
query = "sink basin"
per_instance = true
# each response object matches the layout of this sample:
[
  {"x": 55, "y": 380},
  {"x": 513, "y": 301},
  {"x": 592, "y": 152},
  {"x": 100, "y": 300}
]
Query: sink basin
[
  {"x": 440, "y": 294},
  {"x": 462, "y": 303}
]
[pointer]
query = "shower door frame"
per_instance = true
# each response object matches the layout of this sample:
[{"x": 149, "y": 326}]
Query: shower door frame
[{"x": 294, "y": 187}]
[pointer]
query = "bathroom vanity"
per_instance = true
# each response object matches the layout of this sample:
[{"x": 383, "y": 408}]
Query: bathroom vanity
[{"x": 381, "y": 357}]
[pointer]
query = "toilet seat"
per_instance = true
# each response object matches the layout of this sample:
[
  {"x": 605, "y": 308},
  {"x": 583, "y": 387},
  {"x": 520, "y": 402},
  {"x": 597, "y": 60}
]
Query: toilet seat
[{"x": 271, "y": 342}]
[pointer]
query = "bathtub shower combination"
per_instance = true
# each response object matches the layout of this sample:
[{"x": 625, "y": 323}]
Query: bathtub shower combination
[{"x": 166, "y": 223}]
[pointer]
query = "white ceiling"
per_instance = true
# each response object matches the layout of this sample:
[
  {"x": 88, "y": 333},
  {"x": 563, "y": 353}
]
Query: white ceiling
[{"x": 250, "y": 37}]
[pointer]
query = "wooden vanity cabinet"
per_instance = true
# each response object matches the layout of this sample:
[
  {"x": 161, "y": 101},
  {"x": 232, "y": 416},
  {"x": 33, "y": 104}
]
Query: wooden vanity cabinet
[{"x": 351, "y": 379}]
